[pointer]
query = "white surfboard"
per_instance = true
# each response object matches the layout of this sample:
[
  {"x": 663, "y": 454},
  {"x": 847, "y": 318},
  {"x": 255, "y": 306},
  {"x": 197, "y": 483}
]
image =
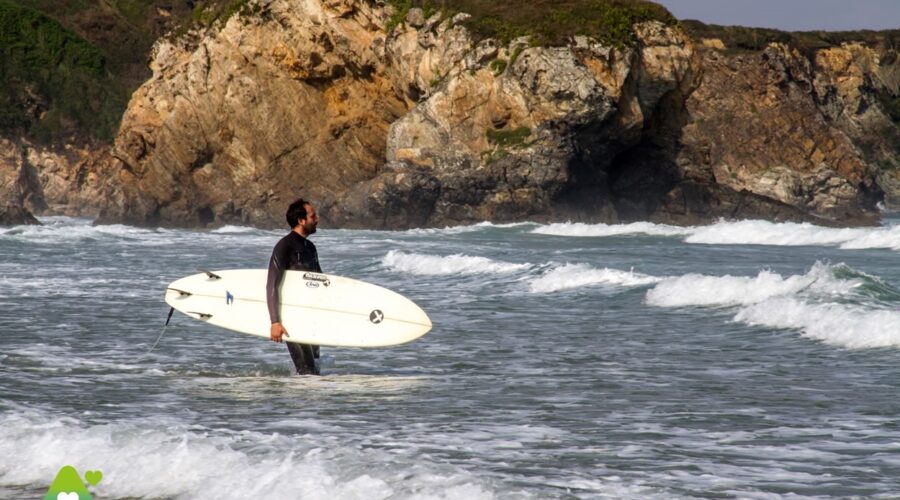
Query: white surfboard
[{"x": 320, "y": 309}]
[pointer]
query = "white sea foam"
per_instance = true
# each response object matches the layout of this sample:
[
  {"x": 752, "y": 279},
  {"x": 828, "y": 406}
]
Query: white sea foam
[
  {"x": 703, "y": 290},
  {"x": 437, "y": 265},
  {"x": 467, "y": 228},
  {"x": 235, "y": 230},
  {"x": 143, "y": 458},
  {"x": 820, "y": 304},
  {"x": 843, "y": 325},
  {"x": 59, "y": 359},
  {"x": 888, "y": 237},
  {"x": 73, "y": 230},
  {"x": 41, "y": 286},
  {"x": 557, "y": 277},
  {"x": 578, "y": 229},
  {"x": 570, "y": 276},
  {"x": 58, "y": 230},
  {"x": 746, "y": 232},
  {"x": 758, "y": 232}
]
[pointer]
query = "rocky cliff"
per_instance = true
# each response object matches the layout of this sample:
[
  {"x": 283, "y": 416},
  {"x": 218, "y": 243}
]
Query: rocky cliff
[
  {"x": 237, "y": 122},
  {"x": 427, "y": 124},
  {"x": 810, "y": 133},
  {"x": 422, "y": 125},
  {"x": 13, "y": 187},
  {"x": 507, "y": 133}
]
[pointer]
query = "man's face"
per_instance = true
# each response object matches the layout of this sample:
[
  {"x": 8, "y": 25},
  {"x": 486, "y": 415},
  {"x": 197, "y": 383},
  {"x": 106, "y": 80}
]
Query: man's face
[{"x": 311, "y": 221}]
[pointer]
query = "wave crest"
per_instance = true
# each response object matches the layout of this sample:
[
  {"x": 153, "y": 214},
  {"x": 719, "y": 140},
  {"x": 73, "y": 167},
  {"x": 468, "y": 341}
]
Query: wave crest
[
  {"x": 436, "y": 265},
  {"x": 831, "y": 303},
  {"x": 570, "y": 276},
  {"x": 745, "y": 232},
  {"x": 843, "y": 325},
  {"x": 141, "y": 459},
  {"x": 578, "y": 229},
  {"x": 702, "y": 290}
]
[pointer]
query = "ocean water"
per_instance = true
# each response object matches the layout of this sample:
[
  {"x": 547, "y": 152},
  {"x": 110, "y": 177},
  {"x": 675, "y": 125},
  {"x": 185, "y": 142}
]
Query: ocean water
[{"x": 742, "y": 359}]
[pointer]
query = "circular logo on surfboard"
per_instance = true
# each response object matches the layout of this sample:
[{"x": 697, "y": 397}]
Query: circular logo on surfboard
[{"x": 376, "y": 316}]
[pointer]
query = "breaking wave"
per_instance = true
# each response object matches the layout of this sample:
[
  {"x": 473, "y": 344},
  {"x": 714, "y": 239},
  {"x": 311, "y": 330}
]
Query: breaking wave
[
  {"x": 436, "y": 265},
  {"x": 143, "y": 458},
  {"x": 747, "y": 232},
  {"x": 538, "y": 278},
  {"x": 832, "y": 303},
  {"x": 578, "y": 229},
  {"x": 702, "y": 290},
  {"x": 843, "y": 325},
  {"x": 466, "y": 229},
  {"x": 569, "y": 276}
]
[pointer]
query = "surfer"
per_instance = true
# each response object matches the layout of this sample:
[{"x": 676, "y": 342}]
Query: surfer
[{"x": 294, "y": 252}]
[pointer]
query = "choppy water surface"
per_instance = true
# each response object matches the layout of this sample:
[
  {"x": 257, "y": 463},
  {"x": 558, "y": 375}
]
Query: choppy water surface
[{"x": 747, "y": 359}]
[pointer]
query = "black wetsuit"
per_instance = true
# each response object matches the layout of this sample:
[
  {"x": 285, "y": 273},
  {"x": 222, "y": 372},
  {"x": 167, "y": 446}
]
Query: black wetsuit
[{"x": 292, "y": 253}]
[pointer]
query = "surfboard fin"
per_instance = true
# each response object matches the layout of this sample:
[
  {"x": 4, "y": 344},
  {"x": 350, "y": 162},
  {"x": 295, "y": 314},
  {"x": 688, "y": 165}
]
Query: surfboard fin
[
  {"x": 210, "y": 274},
  {"x": 182, "y": 292},
  {"x": 203, "y": 316}
]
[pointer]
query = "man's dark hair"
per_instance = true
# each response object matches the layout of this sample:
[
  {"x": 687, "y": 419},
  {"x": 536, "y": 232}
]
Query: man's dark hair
[{"x": 296, "y": 211}]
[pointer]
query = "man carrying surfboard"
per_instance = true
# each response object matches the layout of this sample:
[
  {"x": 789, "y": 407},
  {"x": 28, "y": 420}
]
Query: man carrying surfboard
[{"x": 296, "y": 253}]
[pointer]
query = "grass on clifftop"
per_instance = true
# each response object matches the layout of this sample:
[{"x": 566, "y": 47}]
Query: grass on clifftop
[
  {"x": 208, "y": 13},
  {"x": 740, "y": 38},
  {"x": 54, "y": 82},
  {"x": 67, "y": 68},
  {"x": 546, "y": 22}
]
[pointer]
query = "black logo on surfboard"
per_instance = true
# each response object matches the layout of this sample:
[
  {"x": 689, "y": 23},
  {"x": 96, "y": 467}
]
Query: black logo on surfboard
[
  {"x": 321, "y": 278},
  {"x": 376, "y": 316}
]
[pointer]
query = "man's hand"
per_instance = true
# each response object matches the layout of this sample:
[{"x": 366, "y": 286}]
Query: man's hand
[{"x": 277, "y": 331}]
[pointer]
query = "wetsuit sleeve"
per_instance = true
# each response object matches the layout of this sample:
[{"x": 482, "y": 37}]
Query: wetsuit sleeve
[
  {"x": 277, "y": 266},
  {"x": 318, "y": 267}
]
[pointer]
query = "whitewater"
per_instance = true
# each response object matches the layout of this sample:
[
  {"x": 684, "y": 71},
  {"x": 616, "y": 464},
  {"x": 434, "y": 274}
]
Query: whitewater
[{"x": 744, "y": 359}]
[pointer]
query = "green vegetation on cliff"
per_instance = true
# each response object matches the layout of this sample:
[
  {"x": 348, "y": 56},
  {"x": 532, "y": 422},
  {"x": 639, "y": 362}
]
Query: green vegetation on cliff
[
  {"x": 508, "y": 138},
  {"x": 55, "y": 82},
  {"x": 546, "y": 22},
  {"x": 133, "y": 11},
  {"x": 207, "y": 14},
  {"x": 741, "y": 38},
  {"x": 123, "y": 30},
  {"x": 503, "y": 140},
  {"x": 68, "y": 68}
]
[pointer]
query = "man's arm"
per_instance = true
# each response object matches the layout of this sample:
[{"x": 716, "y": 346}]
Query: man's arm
[
  {"x": 277, "y": 264},
  {"x": 317, "y": 268}
]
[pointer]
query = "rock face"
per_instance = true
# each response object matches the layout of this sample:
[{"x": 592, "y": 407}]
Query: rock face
[
  {"x": 54, "y": 181},
  {"x": 507, "y": 133},
  {"x": 14, "y": 179},
  {"x": 851, "y": 86},
  {"x": 423, "y": 125},
  {"x": 233, "y": 126},
  {"x": 808, "y": 134}
]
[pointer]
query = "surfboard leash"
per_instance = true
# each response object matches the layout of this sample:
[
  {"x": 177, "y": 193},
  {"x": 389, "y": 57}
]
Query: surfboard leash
[{"x": 168, "y": 318}]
